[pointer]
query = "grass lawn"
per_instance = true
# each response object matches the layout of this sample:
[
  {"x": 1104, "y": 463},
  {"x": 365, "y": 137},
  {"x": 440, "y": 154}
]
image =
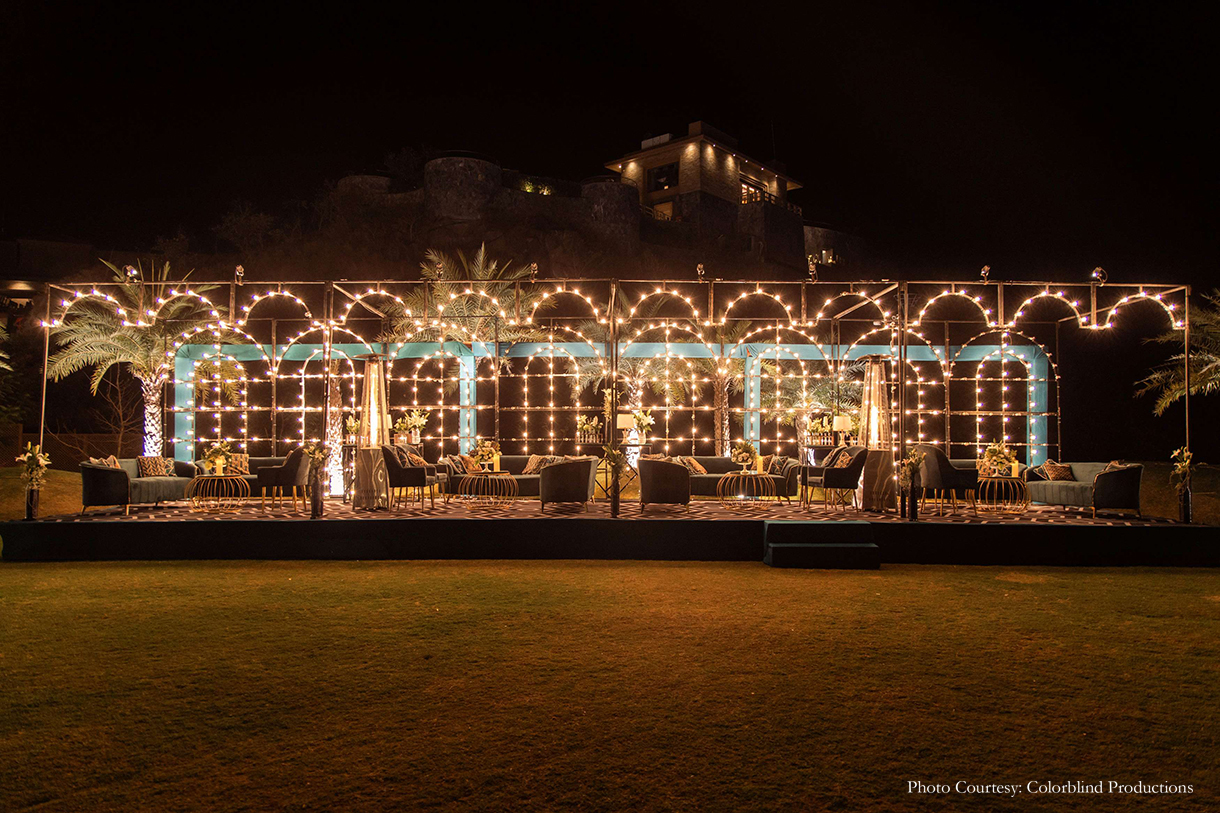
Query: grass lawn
[{"x": 601, "y": 686}]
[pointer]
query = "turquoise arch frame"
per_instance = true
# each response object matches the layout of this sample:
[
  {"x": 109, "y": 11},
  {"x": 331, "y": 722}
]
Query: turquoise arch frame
[{"x": 468, "y": 357}]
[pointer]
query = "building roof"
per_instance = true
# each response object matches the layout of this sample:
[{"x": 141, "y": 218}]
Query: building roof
[{"x": 702, "y": 132}]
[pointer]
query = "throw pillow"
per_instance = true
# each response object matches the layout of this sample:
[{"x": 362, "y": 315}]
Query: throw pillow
[
  {"x": 533, "y": 464},
  {"x": 766, "y": 462},
  {"x": 1057, "y": 471},
  {"x": 471, "y": 465},
  {"x": 415, "y": 460},
  {"x": 843, "y": 461},
  {"x": 110, "y": 461},
  {"x": 169, "y": 467},
  {"x": 694, "y": 465},
  {"x": 778, "y": 463},
  {"x": 400, "y": 455},
  {"x": 238, "y": 464},
  {"x": 150, "y": 466}
]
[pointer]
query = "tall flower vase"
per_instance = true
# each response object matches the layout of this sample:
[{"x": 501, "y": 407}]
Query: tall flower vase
[
  {"x": 1184, "y": 505},
  {"x": 31, "y": 503},
  {"x": 316, "y": 505}
]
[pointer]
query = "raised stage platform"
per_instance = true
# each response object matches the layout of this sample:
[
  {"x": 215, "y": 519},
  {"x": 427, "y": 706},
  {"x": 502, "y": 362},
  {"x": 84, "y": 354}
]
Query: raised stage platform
[{"x": 782, "y": 535}]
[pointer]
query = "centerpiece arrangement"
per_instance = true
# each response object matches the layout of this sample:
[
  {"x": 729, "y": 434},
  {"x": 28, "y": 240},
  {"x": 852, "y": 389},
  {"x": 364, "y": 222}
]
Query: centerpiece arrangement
[
  {"x": 317, "y": 454},
  {"x": 412, "y": 425},
  {"x": 744, "y": 453},
  {"x": 34, "y": 464},
  {"x": 998, "y": 461},
  {"x": 486, "y": 453},
  {"x": 588, "y": 429},
  {"x": 218, "y": 456}
]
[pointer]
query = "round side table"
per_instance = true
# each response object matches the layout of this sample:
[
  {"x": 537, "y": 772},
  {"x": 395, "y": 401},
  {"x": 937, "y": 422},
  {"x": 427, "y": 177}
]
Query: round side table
[
  {"x": 217, "y": 492},
  {"x": 1004, "y": 496},
  {"x": 745, "y": 491},
  {"x": 487, "y": 489}
]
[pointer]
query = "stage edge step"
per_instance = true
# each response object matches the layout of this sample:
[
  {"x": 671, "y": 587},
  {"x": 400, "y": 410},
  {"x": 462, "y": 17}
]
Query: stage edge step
[{"x": 821, "y": 545}]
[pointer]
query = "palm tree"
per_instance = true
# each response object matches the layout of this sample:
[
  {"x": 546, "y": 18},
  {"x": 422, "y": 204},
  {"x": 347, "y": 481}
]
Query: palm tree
[
  {"x": 99, "y": 334},
  {"x": 1167, "y": 381},
  {"x": 470, "y": 299},
  {"x": 4, "y": 365}
]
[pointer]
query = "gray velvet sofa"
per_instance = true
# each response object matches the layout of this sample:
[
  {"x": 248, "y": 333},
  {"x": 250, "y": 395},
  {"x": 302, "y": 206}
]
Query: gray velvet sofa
[
  {"x": 106, "y": 486},
  {"x": 528, "y": 485},
  {"x": 1090, "y": 487},
  {"x": 256, "y": 463},
  {"x": 787, "y": 480}
]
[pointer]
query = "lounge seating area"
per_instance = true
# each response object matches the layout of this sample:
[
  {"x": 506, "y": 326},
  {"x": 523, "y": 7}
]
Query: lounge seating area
[{"x": 947, "y": 484}]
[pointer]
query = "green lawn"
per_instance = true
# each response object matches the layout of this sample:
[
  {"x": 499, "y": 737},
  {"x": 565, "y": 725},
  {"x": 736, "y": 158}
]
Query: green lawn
[{"x": 599, "y": 686}]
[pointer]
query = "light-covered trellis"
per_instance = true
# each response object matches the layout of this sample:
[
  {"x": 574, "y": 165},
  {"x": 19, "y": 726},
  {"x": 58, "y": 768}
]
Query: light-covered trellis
[{"x": 274, "y": 368}]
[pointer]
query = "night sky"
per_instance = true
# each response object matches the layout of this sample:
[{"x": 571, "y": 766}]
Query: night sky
[{"x": 1042, "y": 138}]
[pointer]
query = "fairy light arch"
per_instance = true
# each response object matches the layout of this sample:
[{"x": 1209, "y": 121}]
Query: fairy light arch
[{"x": 1170, "y": 308}]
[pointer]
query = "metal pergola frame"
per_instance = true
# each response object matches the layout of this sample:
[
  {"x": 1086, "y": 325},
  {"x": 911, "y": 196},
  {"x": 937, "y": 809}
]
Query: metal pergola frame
[{"x": 1093, "y": 305}]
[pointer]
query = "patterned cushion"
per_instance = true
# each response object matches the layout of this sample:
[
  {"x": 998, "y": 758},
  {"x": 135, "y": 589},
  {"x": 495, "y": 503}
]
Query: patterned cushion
[
  {"x": 414, "y": 459},
  {"x": 766, "y": 462},
  {"x": 551, "y": 460},
  {"x": 470, "y": 465},
  {"x": 694, "y": 465},
  {"x": 400, "y": 455},
  {"x": 778, "y": 463},
  {"x": 843, "y": 461},
  {"x": 152, "y": 467},
  {"x": 1057, "y": 471},
  {"x": 534, "y": 464},
  {"x": 238, "y": 464},
  {"x": 110, "y": 462}
]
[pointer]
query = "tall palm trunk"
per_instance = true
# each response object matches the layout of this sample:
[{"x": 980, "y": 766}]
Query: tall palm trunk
[
  {"x": 334, "y": 428},
  {"x": 720, "y": 405},
  {"x": 154, "y": 442}
]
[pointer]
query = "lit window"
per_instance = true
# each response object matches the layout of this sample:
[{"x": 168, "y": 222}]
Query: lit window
[{"x": 663, "y": 177}]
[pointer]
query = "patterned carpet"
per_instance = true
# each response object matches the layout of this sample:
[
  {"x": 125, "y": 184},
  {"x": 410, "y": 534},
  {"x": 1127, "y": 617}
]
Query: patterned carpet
[{"x": 700, "y": 509}]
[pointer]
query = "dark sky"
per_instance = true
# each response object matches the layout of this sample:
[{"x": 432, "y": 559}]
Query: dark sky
[{"x": 1041, "y": 138}]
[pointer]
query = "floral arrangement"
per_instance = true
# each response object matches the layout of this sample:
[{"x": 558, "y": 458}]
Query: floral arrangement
[
  {"x": 34, "y": 464},
  {"x": 643, "y": 420},
  {"x": 744, "y": 453},
  {"x": 1184, "y": 466},
  {"x": 414, "y": 421},
  {"x": 815, "y": 426},
  {"x": 317, "y": 454},
  {"x": 588, "y": 425},
  {"x": 996, "y": 460},
  {"x": 351, "y": 425},
  {"x": 220, "y": 452},
  {"x": 908, "y": 467},
  {"x": 486, "y": 451}
]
